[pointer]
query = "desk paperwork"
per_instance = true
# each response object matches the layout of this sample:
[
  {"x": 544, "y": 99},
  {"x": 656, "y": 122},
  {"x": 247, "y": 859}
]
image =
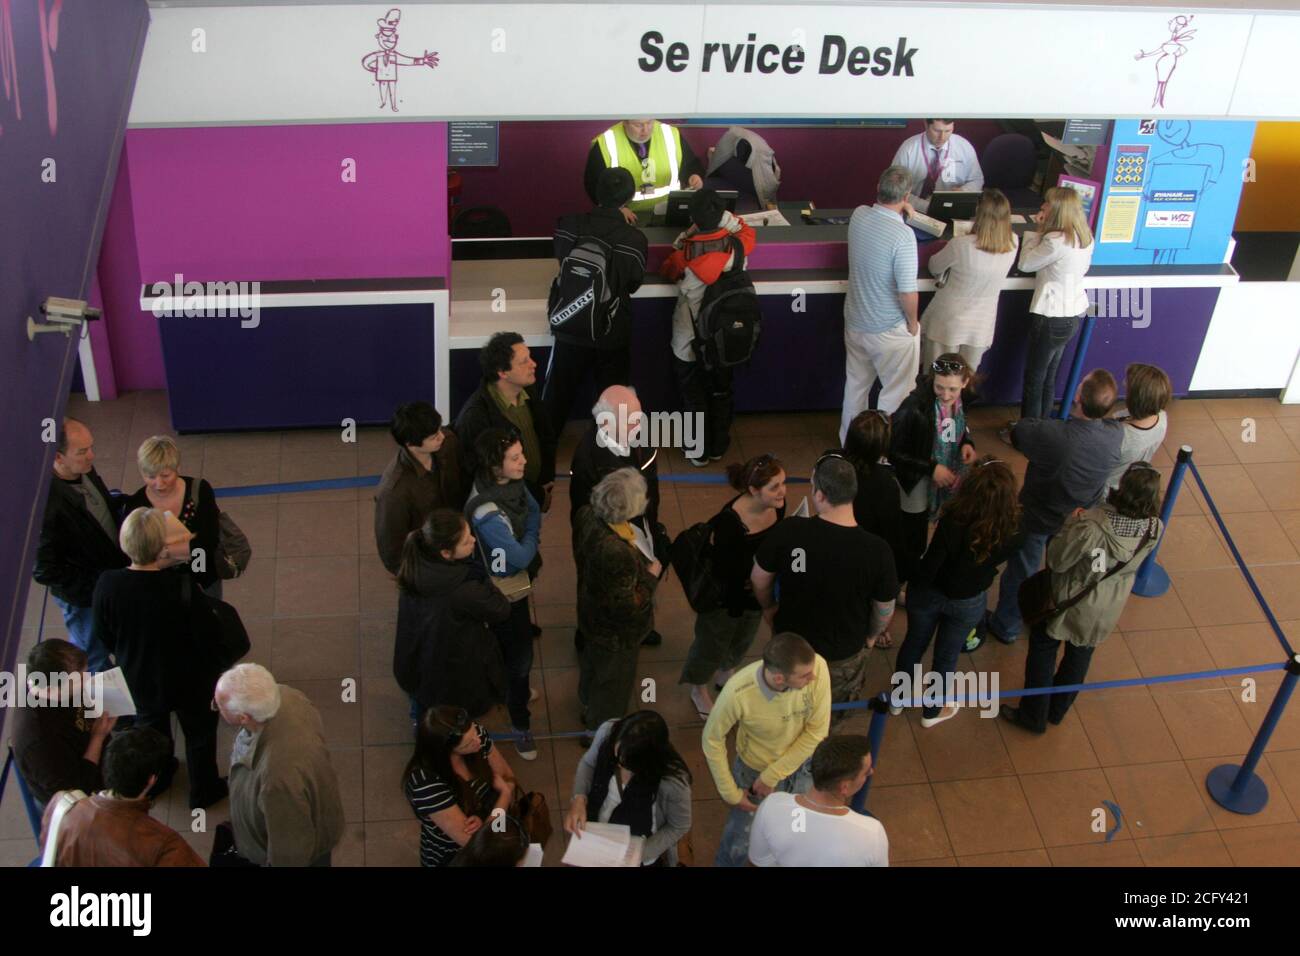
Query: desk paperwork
[
  {"x": 920, "y": 220},
  {"x": 604, "y": 844},
  {"x": 769, "y": 217}
]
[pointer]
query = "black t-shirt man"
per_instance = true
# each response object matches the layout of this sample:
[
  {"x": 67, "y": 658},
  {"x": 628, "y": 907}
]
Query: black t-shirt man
[{"x": 827, "y": 575}]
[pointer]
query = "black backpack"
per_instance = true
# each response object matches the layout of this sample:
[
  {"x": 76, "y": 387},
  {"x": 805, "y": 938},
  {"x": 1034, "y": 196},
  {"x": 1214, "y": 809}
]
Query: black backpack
[
  {"x": 580, "y": 304},
  {"x": 692, "y": 559},
  {"x": 728, "y": 323}
]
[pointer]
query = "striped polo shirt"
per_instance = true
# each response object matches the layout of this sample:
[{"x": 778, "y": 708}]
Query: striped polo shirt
[{"x": 882, "y": 263}]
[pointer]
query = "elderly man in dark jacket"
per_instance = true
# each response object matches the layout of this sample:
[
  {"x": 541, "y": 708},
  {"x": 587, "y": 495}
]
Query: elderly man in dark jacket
[{"x": 78, "y": 537}]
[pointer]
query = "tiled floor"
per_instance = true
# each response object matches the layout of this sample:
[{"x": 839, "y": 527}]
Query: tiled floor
[{"x": 321, "y": 610}]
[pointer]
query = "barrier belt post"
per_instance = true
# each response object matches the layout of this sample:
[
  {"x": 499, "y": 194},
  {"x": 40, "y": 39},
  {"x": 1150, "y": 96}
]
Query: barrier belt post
[
  {"x": 1152, "y": 580},
  {"x": 1239, "y": 789},
  {"x": 875, "y": 733},
  {"x": 1076, "y": 367}
]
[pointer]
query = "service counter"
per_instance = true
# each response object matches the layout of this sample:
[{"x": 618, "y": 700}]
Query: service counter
[{"x": 1156, "y": 314}]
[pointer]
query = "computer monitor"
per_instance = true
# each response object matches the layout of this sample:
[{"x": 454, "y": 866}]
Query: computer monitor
[
  {"x": 947, "y": 206},
  {"x": 679, "y": 205}
]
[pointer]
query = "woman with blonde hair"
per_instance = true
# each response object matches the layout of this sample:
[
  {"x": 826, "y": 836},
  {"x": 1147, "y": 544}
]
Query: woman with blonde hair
[
  {"x": 961, "y": 316},
  {"x": 1059, "y": 253},
  {"x": 191, "y": 500}
]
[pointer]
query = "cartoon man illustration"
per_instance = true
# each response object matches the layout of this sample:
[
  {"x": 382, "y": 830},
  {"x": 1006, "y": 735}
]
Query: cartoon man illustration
[
  {"x": 1187, "y": 169},
  {"x": 1169, "y": 53},
  {"x": 383, "y": 63}
]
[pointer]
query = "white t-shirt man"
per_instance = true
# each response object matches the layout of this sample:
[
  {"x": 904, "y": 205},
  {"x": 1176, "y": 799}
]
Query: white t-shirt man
[{"x": 788, "y": 834}]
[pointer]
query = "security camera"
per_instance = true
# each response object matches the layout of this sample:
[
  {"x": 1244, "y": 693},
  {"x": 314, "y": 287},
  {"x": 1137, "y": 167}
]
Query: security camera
[{"x": 62, "y": 315}]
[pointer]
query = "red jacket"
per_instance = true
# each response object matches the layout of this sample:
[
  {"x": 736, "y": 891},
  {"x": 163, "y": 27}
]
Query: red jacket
[{"x": 705, "y": 254}]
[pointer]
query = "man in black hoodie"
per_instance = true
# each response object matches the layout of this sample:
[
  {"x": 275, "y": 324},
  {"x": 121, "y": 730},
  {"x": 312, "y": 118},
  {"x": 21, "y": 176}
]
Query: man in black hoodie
[
  {"x": 78, "y": 538},
  {"x": 606, "y": 349}
]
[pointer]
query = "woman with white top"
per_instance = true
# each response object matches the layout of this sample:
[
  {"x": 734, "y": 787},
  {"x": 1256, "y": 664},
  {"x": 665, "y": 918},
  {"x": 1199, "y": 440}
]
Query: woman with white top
[
  {"x": 961, "y": 316},
  {"x": 1059, "y": 254}
]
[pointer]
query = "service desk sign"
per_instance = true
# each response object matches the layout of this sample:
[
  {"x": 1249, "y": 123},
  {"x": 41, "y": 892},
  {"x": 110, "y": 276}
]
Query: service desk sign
[{"x": 421, "y": 61}]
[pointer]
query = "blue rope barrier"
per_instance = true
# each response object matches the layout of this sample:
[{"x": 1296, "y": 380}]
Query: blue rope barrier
[
  {"x": 1241, "y": 562},
  {"x": 1239, "y": 789},
  {"x": 1153, "y": 580}
]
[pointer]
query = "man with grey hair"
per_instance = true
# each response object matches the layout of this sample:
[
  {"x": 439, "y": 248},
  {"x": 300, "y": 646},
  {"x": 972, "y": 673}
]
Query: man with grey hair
[
  {"x": 881, "y": 329},
  {"x": 612, "y": 441},
  {"x": 285, "y": 808},
  {"x": 837, "y": 580}
]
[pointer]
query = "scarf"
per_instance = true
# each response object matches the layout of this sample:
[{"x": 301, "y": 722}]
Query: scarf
[
  {"x": 947, "y": 452},
  {"x": 636, "y": 811},
  {"x": 511, "y": 498}
]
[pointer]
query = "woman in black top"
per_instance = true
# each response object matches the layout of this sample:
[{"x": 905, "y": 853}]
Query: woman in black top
[
  {"x": 455, "y": 781},
  {"x": 931, "y": 448},
  {"x": 159, "y": 460},
  {"x": 445, "y": 650},
  {"x": 723, "y": 636},
  {"x": 877, "y": 506},
  {"x": 161, "y": 630},
  {"x": 949, "y": 592}
]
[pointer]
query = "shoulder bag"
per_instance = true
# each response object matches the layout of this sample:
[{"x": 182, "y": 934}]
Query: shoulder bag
[{"x": 1038, "y": 606}]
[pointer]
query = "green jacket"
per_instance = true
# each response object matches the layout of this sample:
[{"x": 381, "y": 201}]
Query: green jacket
[
  {"x": 1086, "y": 548},
  {"x": 615, "y": 589}
]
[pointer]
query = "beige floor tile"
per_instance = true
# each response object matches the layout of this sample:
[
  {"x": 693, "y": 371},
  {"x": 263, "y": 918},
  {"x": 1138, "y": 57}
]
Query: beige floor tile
[
  {"x": 1280, "y": 585},
  {"x": 1289, "y": 522},
  {"x": 1143, "y": 614},
  {"x": 1214, "y": 597},
  {"x": 966, "y": 747},
  {"x": 313, "y": 648},
  {"x": 378, "y": 635},
  {"x": 1205, "y": 723},
  {"x": 253, "y": 592},
  {"x": 1277, "y": 845},
  {"x": 912, "y": 821},
  {"x": 1278, "y": 483},
  {"x": 342, "y": 718},
  {"x": 258, "y": 519},
  {"x": 377, "y": 595},
  {"x": 986, "y": 816},
  {"x": 1208, "y": 445},
  {"x": 1240, "y": 645},
  {"x": 1172, "y": 651},
  {"x": 1231, "y": 488},
  {"x": 316, "y": 528},
  {"x": 1255, "y": 439},
  {"x": 385, "y": 712},
  {"x": 1259, "y": 537},
  {"x": 316, "y": 586},
  {"x": 1159, "y": 799},
  {"x": 351, "y": 848},
  {"x": 1065, "y": 806},
  {"x": 393, "y": 843},
  {"x": 1120, "y": 853},
  {"x": 1285, "y": 765},
  {"x": 1277, "y": 810},
  {"x": 385, "y": 799},
  {"x": 1007, "y": 858},
  {"x": 1192, "y": 544},
  {"x": 1126, "y": 730},
  {"x": 1185, "y": 849},
  {"x": 1063, "y": 747},
  {"x": 348, "y": 766}
]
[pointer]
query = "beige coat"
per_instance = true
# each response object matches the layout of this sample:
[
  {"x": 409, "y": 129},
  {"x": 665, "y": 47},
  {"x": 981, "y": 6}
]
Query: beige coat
[{"x": 284, "y": 795}]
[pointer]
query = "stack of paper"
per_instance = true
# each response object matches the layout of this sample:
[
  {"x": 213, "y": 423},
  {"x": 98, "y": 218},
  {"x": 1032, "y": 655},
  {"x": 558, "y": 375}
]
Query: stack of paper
[
  {"x": 118, "y": 701},
  {"x": 605, "y": 844},
  {"x": 769, "y": 217},
  {"x": 926, "y": 224}
]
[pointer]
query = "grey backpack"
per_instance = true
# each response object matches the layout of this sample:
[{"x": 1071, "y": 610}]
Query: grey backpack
[{"x": 233, "y": 550}]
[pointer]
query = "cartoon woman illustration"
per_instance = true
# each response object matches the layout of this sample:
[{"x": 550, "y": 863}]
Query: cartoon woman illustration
[
  {"x": 383, "y": 63},
  {"x": 1169, "y": 52}
]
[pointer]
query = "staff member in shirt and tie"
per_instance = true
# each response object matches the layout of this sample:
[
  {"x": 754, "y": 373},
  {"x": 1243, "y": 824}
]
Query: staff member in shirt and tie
[
  {"x": 656, "y": 155},
  {"x": 940, "y": 160}
]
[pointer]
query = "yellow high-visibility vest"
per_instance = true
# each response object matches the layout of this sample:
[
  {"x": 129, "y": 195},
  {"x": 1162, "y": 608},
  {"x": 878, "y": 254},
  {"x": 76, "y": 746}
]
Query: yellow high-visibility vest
[{"x": 658, "y": 175}]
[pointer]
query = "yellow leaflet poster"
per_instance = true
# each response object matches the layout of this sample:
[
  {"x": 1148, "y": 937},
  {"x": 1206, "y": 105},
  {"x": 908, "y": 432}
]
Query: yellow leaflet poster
[{"x": 1119, "y": 218}]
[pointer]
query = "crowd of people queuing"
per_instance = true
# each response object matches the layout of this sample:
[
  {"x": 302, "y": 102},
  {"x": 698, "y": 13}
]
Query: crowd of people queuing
[{"x": 906, "y": 512}]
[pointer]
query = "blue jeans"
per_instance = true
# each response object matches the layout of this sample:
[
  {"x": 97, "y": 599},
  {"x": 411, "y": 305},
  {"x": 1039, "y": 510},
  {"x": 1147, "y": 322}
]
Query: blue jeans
[
  {"x": 1048, "y": 338},
  {"x": 927, "y": 609},
  {"x": 80, "y": 622},
  {"x": 515, "y": 637},
  {"x": 734, "y": 848},
  {"x": 1006, "y": 623}
]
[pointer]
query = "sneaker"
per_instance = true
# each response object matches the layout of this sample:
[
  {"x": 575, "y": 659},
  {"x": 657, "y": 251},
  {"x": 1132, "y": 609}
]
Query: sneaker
[
  {"x": 526, "y": 745},
  {"x": 974, "y": 640},
  {"x": 715, "y": 458},
  {"x": 701, "y": 462},
  {"x": 895, "y": 711},
  {"x": 948, "y": 713}
]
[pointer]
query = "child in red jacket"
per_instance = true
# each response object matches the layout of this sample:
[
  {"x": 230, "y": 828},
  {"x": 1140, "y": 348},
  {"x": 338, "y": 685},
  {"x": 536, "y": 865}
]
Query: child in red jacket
[{"x": 702, "y": 253}]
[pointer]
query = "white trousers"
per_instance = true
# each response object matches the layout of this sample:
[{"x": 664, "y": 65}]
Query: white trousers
[
  {"x": 893, "y": 356},
  {"x": 931, "y": 350}
]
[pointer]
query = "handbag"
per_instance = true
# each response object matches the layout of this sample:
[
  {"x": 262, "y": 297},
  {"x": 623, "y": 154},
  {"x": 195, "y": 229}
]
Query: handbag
[
  {"x": 1038, "y": 606},
  {"x": 514, "y": 586},
  {"x": 533, "y": 815},
  {"x": 233, "y": 549},
  {"x": 941, "y": 280},
  {"x": 222, "y": 630},
  {"x": 224, "y": 852}
]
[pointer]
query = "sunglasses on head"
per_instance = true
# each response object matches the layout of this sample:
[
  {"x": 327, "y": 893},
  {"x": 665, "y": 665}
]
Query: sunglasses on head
[
  {"x": 990, "y": 461},
  {"x": 940, "y": 367},
  {"x": 458, "y": 725},
  {"x": 761, "y": 462}
]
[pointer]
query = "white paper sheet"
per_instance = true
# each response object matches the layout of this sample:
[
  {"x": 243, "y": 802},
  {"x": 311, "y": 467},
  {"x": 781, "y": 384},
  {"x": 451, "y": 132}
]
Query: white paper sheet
[
  {"x": 117, "y": 696},
  {"x": 605, "y": 844}
]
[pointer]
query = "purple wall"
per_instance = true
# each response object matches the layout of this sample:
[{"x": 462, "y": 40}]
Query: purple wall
[
  {"x": 66, "y": 99},
  {"x": 835, "y": 168},
  {"x": 268, "y": 202}
]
